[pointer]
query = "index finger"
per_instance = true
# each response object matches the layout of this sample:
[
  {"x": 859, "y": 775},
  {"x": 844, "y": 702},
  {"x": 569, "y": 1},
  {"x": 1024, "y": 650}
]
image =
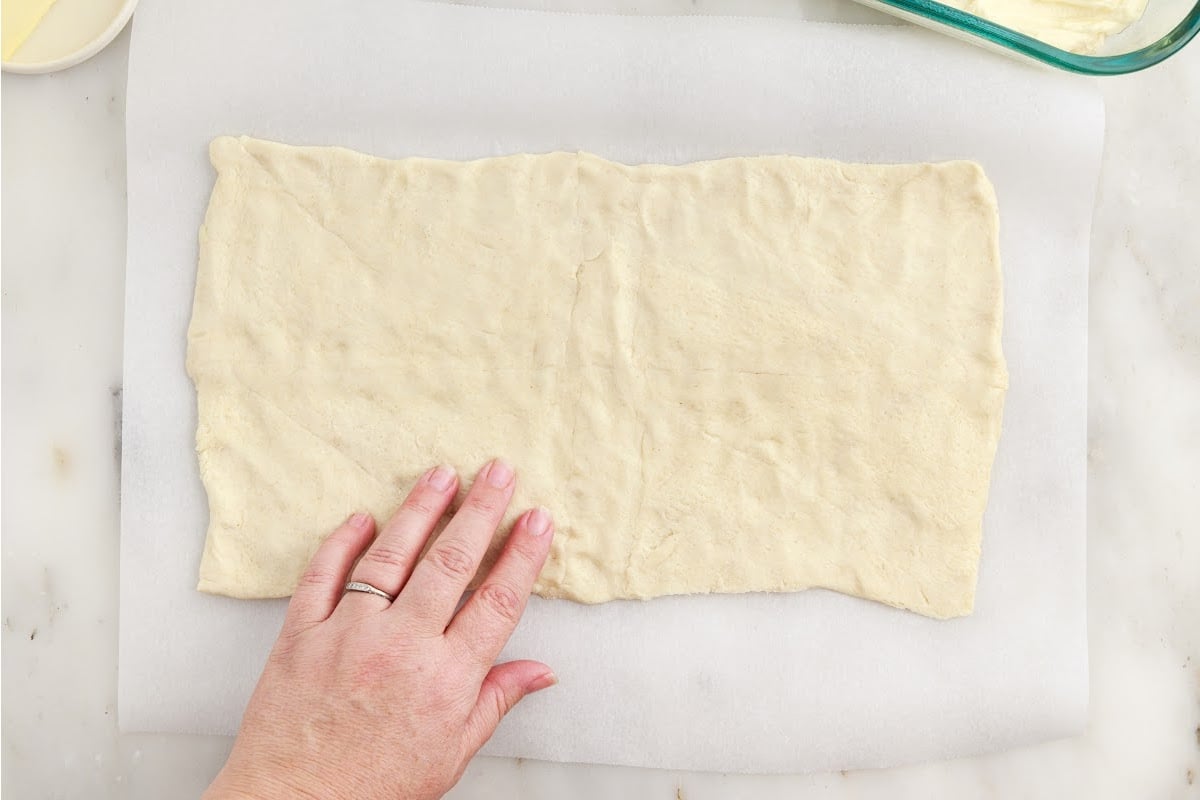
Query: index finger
[{"x": 489, "y": 617}]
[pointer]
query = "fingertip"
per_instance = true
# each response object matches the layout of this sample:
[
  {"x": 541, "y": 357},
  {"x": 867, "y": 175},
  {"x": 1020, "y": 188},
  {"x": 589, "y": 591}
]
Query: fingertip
[
  {"x": 538, "y": 521},
  {"x": 361, "y": 521},
  {"x": 441, "y": 477},
  {"x": 543, "y": 681},
  {"x": 498, "y": 473},
  {"x": 504, "y": 686}
]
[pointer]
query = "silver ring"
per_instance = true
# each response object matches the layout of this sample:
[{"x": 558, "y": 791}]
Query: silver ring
[{"x": 366, "y": 588}]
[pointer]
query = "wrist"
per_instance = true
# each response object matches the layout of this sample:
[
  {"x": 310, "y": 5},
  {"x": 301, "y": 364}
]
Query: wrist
[{"x": 230, "y": 785}]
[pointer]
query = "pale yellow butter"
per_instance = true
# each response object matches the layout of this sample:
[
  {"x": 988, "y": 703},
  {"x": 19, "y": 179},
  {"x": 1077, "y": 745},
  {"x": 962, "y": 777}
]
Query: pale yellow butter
[
  {"x": 1078, "y": 26},
  {"x": 18, "y": 19}
]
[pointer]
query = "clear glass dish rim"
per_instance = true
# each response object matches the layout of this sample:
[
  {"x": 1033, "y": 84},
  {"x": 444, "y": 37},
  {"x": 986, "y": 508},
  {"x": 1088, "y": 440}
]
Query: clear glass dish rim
[{"x": 1009, "y": 39}]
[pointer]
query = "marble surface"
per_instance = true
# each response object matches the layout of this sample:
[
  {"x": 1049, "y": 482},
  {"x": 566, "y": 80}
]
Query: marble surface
[{"x": 62, "y": 251}]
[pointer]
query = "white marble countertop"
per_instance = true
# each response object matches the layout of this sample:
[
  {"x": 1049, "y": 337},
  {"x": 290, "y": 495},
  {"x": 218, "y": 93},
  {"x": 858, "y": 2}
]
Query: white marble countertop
[{"x": 63, "y": 263}]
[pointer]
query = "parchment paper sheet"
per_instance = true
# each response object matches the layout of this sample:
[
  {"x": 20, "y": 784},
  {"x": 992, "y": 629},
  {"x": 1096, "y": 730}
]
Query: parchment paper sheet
[{"x": 757, "y": 683}]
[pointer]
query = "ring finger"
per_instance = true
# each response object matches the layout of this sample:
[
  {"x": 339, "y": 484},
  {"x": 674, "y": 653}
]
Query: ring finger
[{"x": 390, "y": 559}]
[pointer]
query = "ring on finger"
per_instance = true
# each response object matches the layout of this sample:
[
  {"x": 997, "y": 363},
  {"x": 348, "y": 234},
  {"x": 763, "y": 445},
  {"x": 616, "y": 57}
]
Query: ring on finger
[{"x": 366, "y": 588}]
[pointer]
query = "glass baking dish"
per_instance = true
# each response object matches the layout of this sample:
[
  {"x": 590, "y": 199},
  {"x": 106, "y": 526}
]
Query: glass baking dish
[{"x": 1162, "y": 30}]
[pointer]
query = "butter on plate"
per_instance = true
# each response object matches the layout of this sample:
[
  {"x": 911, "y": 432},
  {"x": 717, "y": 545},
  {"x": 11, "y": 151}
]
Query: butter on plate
[
  {"x": 18, "y": 18},
  {"x": 49, "y": 35}
]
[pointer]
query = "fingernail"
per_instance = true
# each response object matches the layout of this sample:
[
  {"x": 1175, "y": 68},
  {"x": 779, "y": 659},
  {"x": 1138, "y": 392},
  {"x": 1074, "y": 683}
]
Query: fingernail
[
  {"x": 360, "y": 520},
  {"x": 441, "y": 478},
  {"x": 544, "y": 682},
  {"x": 499, "y": 473},
  {"x": 538, "y": 522}
]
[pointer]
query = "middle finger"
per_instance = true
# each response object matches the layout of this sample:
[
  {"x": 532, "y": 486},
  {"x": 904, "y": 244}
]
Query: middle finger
[
  {"x": 439, "y": 580},
  {"x": 390, "y": 559}
]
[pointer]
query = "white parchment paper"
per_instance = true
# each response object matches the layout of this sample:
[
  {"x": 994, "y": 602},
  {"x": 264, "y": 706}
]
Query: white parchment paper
[{"x": 763, "y": 683}]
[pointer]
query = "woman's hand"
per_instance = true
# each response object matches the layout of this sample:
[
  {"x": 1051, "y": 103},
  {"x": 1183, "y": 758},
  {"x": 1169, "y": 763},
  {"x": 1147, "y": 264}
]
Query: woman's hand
[{"x": 365, "y": 698}]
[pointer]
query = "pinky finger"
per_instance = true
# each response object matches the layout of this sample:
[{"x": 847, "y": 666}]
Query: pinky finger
[{"x": 322, "y": 583}]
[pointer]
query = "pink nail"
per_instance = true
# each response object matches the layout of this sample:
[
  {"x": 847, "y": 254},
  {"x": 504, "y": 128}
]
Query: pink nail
[
  {"x": 538, "y": 522},
  {"x": 543, "y": 682},
  {"x": 499, "y": 473},
  {"x": 441, "y": 478},
  {"x": 360, "y": 520}
]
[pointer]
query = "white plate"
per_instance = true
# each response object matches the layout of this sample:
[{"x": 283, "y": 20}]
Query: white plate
[{"x": 71, "y": 32}]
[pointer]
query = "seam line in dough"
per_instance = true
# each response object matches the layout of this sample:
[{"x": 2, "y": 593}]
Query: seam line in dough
[
  {"x": 330, "y": 445},
  {"x": 282, "y": 189}
]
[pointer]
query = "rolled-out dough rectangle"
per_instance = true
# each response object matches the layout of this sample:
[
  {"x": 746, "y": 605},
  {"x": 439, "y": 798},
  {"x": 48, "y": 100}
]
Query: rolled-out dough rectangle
[{"x": 753, "y": 374}]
